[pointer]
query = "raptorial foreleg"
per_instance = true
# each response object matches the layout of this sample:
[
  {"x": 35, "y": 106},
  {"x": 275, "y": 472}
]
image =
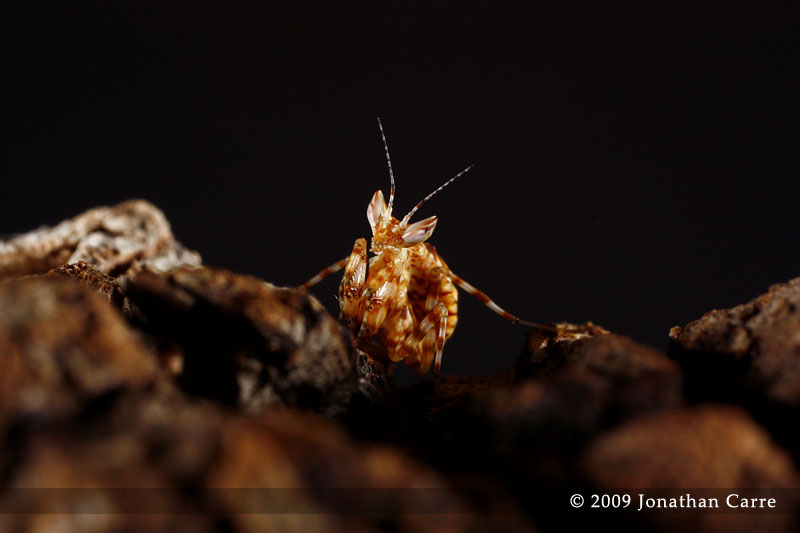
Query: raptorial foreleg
[
  {"x": 380, "y": 295},
  {"x": 394, "y": 332},
  {"x": 426, "y": 343},
  {"x": 351, "y": 288}
]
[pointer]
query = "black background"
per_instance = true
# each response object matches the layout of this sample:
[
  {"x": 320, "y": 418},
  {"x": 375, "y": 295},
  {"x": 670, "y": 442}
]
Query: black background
[{"x": 636, "y": 164}]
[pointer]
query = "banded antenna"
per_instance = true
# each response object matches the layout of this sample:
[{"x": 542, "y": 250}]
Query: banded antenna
[
  {"x": 388, "y": 162},
  {"x": 431, "y": 195}
]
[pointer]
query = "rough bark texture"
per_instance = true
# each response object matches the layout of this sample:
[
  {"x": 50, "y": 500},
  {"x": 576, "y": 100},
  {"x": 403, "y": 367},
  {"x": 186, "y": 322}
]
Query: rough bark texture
[
  {"x": 62, "y": 346},
  {"x": 749, "y": 354},
  {"x": 546, "y": 350},
  {"x": 111, "y": 239},
  {"x": 92, "y": 279},
  {"x": 167, "y": 462},
  {"x": 709, "y": 446},
  {"x": 567, "y": 389},
  {"x": 140, "y": 391},
  {"x": 705, "y": 447},
  {"x": 246, "y": 342}
]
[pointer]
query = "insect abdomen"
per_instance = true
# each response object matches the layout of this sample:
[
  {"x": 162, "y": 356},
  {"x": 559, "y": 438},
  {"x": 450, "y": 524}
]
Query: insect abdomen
[{"x": 424, "y": 262}]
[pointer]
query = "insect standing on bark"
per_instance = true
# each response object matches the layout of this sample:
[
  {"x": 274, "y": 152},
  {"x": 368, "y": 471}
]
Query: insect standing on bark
[{"x": 401, "y": 303}]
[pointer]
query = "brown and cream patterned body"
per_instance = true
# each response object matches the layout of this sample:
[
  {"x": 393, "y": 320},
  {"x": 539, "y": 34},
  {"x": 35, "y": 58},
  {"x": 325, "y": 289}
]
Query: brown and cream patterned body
[
  {"x": 423, "y": 260},
  {"x": 401, "y": 304},
  {"x": 406, "y": 309}
]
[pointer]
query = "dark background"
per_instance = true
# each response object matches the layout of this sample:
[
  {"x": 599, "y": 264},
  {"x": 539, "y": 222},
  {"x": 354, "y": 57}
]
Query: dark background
[{"x": 636, "y": 164}]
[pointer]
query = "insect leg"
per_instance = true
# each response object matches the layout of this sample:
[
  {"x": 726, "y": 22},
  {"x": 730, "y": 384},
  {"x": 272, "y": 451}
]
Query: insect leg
[
  {"x": 437, "y": 291},
  {"x": 441, "y": 336},
  {"x": 379, "y": 296},
  {"x": 429, "y": 335},
  {"x": 396, "y": 329},
  {"x": 327, "y": 271},
  {"x": 437, "y": 300},
  {"x": 488, "y": 302},
  {"x": 434, "y": 287},
  {"x": 351, "y": 287}
]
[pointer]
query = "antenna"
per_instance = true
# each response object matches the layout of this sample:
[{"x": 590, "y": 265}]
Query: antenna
[
  {"x": 445, "y": 184},
  {"x": 388, "y": 162}
]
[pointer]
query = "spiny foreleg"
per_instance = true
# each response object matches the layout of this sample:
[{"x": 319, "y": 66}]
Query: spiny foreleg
[
  {"x": 379, "y": 296},
  {"x": 399, "y": 325},
  {"x": 351, "y": 288},
  {"x": 428, "y": 337}
]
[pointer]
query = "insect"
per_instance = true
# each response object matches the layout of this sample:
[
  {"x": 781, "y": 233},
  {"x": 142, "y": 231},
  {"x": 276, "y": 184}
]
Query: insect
[{"x": 402, "y": 304}]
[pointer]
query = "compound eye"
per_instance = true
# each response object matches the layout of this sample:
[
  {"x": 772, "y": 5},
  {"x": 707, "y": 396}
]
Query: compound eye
[
  {"x": 375, "y": 209},
  {"x": 419, "y": 231}
]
